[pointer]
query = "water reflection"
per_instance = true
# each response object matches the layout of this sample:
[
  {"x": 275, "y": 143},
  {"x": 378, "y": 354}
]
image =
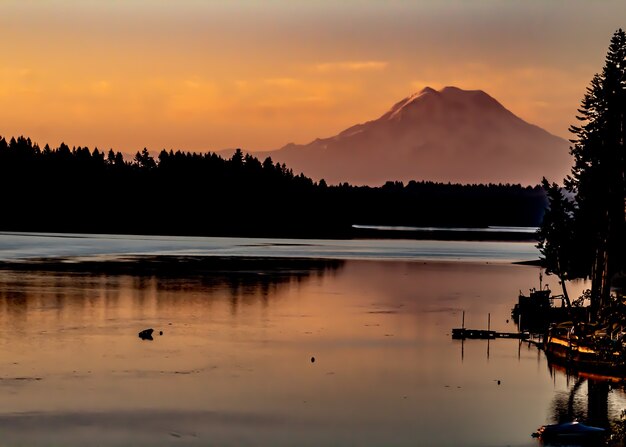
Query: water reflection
[
  {"x": 76, "y": 289},
  {"x": 595, "y": 400},
  {"x": 233, "y": 365},
  {"x": 575, "y": 405}
]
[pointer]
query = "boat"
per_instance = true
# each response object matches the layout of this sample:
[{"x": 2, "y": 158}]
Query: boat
[
  {"x": 537, "y": 302},
  {"x": 568, "y": 432},
  {"x": 535, "y": 311},
  {"x": 587, "y": 347}
]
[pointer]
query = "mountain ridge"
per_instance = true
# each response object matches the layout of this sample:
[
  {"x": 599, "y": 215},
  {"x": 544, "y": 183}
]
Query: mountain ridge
[{"x": 447, "y": 135}]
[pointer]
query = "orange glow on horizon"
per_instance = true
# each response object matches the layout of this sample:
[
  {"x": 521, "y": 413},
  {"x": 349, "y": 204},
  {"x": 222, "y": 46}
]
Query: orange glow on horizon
[{"x": 208, "y": 76}]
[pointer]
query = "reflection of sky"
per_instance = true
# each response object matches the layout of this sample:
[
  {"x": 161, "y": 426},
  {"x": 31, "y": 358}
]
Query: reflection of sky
[
  {"x": 233, "y": 367},
  {"x": 16, "y": 246}
]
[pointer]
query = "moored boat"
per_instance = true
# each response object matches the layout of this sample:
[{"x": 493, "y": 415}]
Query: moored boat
[
  {"x": 568, "y": 432},
  {"x": 587, "y": 347},
  {"x": 537, "y": 310}
]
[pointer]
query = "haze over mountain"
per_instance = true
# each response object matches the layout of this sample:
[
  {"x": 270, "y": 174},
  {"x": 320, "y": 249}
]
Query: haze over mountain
[{"x": 450, "y": 135}]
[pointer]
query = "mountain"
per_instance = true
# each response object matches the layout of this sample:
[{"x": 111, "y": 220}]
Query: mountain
[{"x": 450, "y": 135}]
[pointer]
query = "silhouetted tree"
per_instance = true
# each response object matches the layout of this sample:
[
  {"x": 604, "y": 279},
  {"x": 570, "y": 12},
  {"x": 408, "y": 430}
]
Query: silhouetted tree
[
  {"x": 556, "y": 236},
  {"x": 598, "y": 175},
  {"x": 237, "y": 158},
  {"x": 145, "y": 160}
]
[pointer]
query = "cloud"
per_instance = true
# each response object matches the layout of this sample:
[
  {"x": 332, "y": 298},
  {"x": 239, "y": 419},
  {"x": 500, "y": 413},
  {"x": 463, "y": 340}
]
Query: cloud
[{"x": 327, "y": 67}]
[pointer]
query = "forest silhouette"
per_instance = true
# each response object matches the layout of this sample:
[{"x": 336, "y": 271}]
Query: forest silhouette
[{"x": 182, "y": 193}]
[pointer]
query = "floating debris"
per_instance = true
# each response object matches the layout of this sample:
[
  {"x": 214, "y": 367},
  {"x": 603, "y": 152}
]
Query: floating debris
[{"x": 146, "y": 334}]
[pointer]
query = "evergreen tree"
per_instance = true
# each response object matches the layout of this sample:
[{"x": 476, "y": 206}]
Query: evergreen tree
[
  {"x": 598, "y": 175},
  {"x": 557, "y": 242},
  {"x": 144, "y": 160}
]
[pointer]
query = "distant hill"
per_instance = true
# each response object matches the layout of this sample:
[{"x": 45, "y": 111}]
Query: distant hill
[{"x": 450, "y": 135}]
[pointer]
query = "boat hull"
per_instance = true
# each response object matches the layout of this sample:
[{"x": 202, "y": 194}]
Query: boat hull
[
  {"x": 569, "y": 432},
  {"x": 580, "y": 356}
]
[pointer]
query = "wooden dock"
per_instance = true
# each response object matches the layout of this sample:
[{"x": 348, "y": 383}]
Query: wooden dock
[
  {"x": 482, "y": 334},
  {"x": 462, "y": 333}
]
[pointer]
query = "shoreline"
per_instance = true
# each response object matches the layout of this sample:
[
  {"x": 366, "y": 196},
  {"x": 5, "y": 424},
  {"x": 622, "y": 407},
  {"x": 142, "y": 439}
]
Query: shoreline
[
  {"x": 177, "y": 265},
  {"x": 169, "y": 264},
  {"x": 470, "y": 235}
]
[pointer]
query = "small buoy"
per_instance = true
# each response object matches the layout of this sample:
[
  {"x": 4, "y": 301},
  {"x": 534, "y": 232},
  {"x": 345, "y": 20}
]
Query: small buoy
[{"x": 312, "y": 359}]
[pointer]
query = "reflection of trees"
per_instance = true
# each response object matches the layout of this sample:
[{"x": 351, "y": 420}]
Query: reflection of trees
[
  {"x": 567, "y": 406},
  {"x": 166, "y": 281},
  {"x": 592, "y": 408},
  {"x": 245, "y": 281},
  {"x": 13, "y": 308},
  {"x": 598, "y": 403}
]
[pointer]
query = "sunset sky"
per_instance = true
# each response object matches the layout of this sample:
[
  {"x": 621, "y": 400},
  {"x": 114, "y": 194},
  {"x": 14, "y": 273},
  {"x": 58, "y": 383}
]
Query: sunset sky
[{"x": 208, "y": 75}]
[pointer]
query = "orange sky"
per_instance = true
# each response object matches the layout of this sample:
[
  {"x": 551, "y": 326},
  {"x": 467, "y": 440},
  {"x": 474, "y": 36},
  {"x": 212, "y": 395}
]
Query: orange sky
[{"x": 207, "y": 75}]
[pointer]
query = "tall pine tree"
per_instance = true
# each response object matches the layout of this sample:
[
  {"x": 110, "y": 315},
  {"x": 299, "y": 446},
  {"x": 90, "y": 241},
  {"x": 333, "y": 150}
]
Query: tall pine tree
[{"x": 599, "y": 174}]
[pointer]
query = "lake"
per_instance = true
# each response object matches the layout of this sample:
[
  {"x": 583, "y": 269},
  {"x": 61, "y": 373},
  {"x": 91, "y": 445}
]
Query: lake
[{"x": 346, "y": 343}]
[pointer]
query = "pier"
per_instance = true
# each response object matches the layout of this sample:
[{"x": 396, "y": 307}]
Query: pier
[
  {"x": 463, "y": 333},
  {"x": 485, "y": 334}
]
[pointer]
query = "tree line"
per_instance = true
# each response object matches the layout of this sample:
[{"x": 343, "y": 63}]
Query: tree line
[{"x": 185, "y": 193}]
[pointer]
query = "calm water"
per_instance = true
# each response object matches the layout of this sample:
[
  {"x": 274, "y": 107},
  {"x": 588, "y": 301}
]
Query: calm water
[
  {"x": 16, "y": 246},
  {"x": 233, "y": 366}
]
